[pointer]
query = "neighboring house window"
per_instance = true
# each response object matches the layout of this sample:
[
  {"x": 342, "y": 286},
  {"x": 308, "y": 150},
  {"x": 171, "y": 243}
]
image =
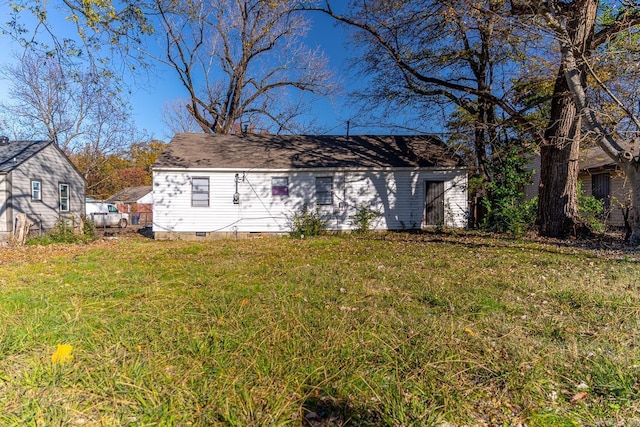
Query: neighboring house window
[
  {"x": 324, "y": 190},
  {"x": 36, "y": 190},
  {"x": 280, "y": 186},
  {"x": 64, "y": 197},
  {"x": 200, "y": 192},
  {"x": 601, "y": 187}
]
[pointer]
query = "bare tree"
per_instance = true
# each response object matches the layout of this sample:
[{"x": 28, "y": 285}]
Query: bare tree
[
  {"x": 428, "y": 54},
  {"x": 81, "y": 111},
  {"x": 242, "y": 62},
  {"x": 177, "y": 119}
]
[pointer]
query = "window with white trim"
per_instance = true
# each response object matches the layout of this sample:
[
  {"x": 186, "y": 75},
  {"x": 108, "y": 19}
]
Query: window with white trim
[
  {"x": 199, "y": 192},
  {"x": 324, "y": 190},
  {"x": 63, "y": 190},
  {"x": 280, "y": 186},
  {"x": 36, "y": 190}
]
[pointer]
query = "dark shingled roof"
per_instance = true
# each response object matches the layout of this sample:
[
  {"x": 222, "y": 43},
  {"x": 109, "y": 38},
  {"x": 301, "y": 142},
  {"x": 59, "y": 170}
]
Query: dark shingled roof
[
  {"x": 130, "y": 194},
  {"x": 16, "y": 152},
  {"x": 595, "y": 158},
  {"x": 254, "y": 151}
]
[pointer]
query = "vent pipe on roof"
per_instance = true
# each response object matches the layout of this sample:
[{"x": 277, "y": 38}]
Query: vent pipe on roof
[
  {"x": 4, "y": 140},
  {"x": 348, "y": 126}
]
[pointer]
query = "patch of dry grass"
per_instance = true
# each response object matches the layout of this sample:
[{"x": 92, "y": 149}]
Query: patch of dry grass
[{"x": 390, "y": 329}]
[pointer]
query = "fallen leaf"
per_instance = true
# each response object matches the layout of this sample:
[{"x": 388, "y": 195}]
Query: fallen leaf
[
  {"x": 578, "y": 397},
  {"x": 62, "y": 354}
]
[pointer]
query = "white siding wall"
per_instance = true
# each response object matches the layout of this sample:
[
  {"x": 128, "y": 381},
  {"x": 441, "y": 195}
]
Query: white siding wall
[
  {"x": 51, "y": 168},
  {"x": 398, "y": 195}
]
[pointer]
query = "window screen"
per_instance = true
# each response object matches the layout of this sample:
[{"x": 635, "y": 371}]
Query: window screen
[
  {"x": 324, "y": 190},
  {"x": 64, "y": 197},
  {"x": 36, "y": 190},
  {"x": 200, "y": 192}
]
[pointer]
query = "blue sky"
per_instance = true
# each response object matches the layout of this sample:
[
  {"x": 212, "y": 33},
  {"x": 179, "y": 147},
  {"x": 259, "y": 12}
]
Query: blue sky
[{"x": 149, "y": 93}]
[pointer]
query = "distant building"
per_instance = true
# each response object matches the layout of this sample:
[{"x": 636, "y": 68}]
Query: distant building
[{"x": 137, "y": 201}]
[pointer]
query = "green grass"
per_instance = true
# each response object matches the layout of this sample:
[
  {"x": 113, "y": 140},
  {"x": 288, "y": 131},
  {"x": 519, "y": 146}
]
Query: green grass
[{"x": 395, "y": 330}]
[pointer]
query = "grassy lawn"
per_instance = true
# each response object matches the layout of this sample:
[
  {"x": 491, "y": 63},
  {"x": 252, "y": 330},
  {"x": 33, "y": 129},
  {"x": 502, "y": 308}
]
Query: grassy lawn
[{"x": 397, "y": 330}]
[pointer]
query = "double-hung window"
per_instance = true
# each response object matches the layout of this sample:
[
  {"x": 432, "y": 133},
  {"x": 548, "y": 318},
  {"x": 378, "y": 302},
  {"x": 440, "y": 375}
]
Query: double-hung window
[
  {"x": 63, "y": 190},
  {"x": 324, "y": 190},
  {"x": 36, "y": 190},
  {"x": 199, "y": 192},
  {"x": 280, "y": 186}
]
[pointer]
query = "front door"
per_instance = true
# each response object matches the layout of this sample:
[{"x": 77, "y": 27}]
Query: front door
[{"x": 434, "y": 203}]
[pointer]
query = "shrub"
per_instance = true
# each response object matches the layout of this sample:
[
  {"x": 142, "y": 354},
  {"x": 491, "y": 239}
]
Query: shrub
[
  {"x": 306, "y": 223},
  {"x": 363, "y": 218},
  {"x": 507, "y": 211},
  {"x": 591, "y": 210},
  {"x": 62, "y": 232},
  {"x": 513, "y": 216}
]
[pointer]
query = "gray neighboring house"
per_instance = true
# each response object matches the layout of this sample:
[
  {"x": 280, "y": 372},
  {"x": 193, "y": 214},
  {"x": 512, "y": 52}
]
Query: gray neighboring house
[
  {"x": 205, "y": 185},
  {"x": 600, "y": 177},
  {"x": 38, "y": 180}
]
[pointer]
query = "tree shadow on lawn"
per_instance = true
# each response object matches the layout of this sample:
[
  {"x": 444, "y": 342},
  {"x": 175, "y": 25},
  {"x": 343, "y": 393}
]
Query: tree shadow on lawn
[
  {"x": 334, "y": 412},
  {"x": 609, "y": 245}
]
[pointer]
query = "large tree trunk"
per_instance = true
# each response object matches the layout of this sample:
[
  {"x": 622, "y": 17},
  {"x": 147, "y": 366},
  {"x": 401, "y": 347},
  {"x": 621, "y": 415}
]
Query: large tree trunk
[{"x": 557, "y": 197}]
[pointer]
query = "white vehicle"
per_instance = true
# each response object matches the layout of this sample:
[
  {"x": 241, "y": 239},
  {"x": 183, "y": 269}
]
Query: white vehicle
[{"x": 106, "y": 215}]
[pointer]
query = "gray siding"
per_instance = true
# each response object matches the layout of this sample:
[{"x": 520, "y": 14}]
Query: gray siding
[
  {"x": 4, "y": 213},
  {"x": 620, "y": 196},
  {"x": 51, "y": 168},
  {"x": 398, "y": 195}
]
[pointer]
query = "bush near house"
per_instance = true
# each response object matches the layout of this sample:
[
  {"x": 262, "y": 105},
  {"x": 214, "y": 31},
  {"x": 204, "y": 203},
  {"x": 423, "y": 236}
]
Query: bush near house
[{"x": 382, "y": 329}]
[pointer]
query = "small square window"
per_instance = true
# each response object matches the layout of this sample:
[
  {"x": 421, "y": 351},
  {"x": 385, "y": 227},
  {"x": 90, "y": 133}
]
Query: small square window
[
  {"x": 324, "y": 190},
  {"x": 36, "y": 190},
  {"x": 280, "y": 186},
  {"x": 200, "y": 192}
]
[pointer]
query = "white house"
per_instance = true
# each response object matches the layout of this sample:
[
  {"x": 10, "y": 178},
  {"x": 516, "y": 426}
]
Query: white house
[
  {"x": 207, "y": 184},
  {"x": 39, "y": 183}
]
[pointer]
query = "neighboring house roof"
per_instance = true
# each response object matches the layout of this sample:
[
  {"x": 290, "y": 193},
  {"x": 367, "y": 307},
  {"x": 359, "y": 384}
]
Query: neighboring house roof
[
  {"x": 14, "y": 153},
  {"x": 305, "y": 151},
  {"x": 595, "y": 158},
  {"x": 130, "y": 194}
]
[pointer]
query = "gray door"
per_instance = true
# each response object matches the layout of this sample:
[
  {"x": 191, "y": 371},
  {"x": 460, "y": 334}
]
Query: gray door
[
  {"x": 434, "y": 203},
  {"x": 601, "y": 188}
]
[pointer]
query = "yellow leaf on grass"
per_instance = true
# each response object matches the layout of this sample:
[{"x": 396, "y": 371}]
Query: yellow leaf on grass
[{"x": 62, "y": 354}]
